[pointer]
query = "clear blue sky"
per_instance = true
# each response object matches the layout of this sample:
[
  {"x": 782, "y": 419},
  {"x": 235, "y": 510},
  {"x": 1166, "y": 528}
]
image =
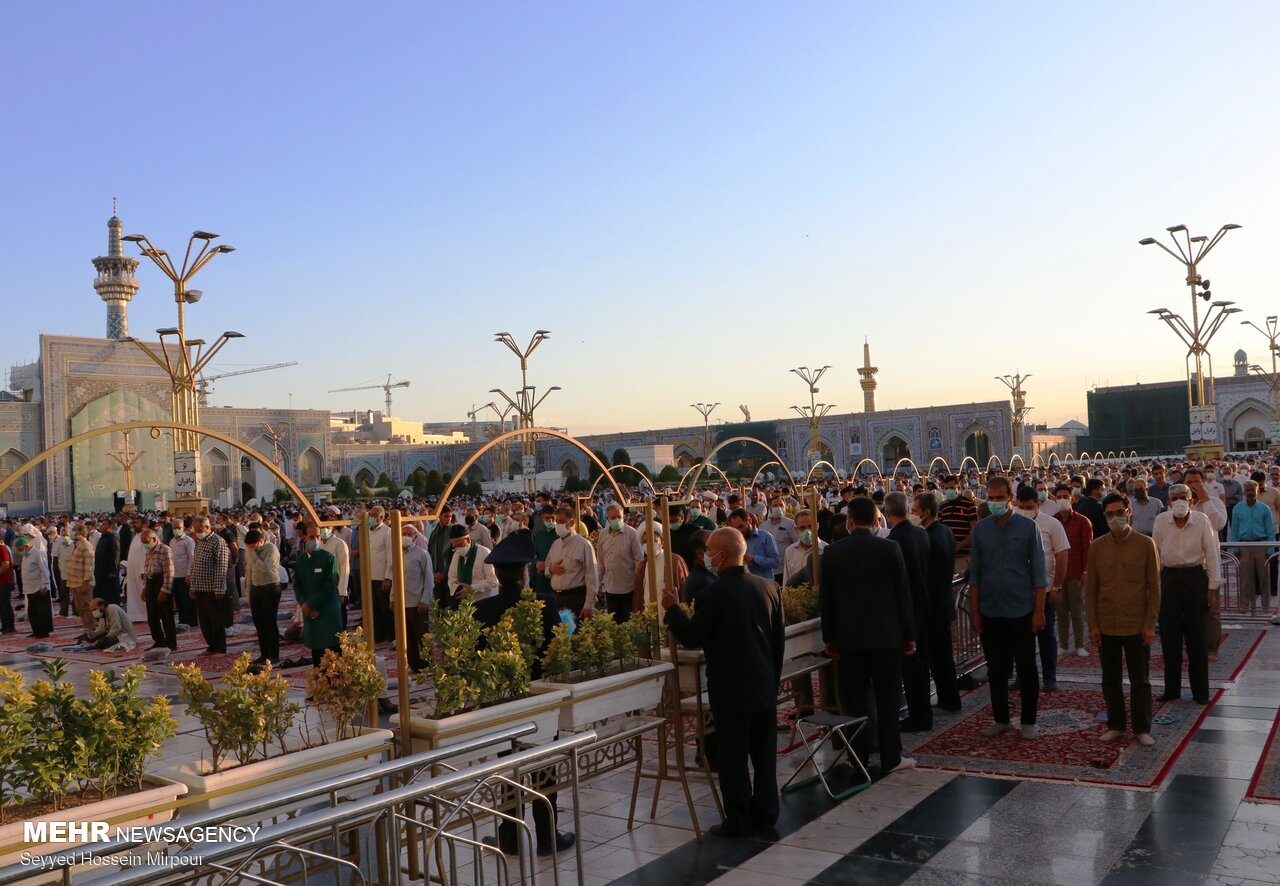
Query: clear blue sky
[{"x": 693, "y": 197}]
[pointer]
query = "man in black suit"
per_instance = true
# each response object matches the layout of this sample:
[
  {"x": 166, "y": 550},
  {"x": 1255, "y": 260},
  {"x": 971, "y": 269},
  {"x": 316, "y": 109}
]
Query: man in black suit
[
  {"x": 914, "y": 542},
  {"x": 738, "y": 624},
  {"x": 867, "y": 626},
  {"x": 106, "y": 564},
  {"x": 942, "y": 601}
]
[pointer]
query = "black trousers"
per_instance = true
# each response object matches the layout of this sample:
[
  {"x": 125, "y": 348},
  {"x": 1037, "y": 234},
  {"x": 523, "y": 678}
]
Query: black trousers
[
  {"x": 1006, "y": 642},
  {"x": 1138, "y": 657},
  {"x": 915, "y": 681},
  {"x": 878, "y": 671},
  {"x": 40, "y": 614},
  {"x": 1184, "y": 606},
  {"x": 942, "y": 661},
  {"x": 183, "y": 603},
  {"x": 416, "y": 625},
  {"x": 573, "y": 599},
  {"x": 107, "y": 588},
  {"x": 619, "y": 606},
  {"x": 383, "y": 627},
  {"x": 159, "y": 612},
  {"x": 6, "y": 609},
  {"x": 752, "y": 736},
  {"x": 264, "y": 606},
  {"x": 211, "y": 611}
]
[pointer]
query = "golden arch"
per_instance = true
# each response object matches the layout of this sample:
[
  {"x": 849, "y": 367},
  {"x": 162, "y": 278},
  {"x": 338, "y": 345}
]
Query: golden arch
[
  {"x": 1018, "y": 458},
  {"x": 767, "y": 448},
  {"x": 697, "y": 467},
  {"x": 899, "y": 464},
  {"x": 967, "y": 459},
  {"x": 760, "y": 470},
  {"x": 945, "y": 465},
  {"x": 996, "y": 459},
  {"x": 154, "y": 426},
  {"x": 461, "y": 473},
  {"x": 1037, "y": 460},
  {"x": 857, "y": 469},
  {"x": 610, "y": 470},
  {"x": 809, "y": 476}
]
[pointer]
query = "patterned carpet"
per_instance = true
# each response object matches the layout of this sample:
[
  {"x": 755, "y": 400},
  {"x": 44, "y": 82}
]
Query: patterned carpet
[
  {"x": 1068, "y": 748},
  {"x": 1237, "y": 645},
  {"x": 1265, "y": 785}
]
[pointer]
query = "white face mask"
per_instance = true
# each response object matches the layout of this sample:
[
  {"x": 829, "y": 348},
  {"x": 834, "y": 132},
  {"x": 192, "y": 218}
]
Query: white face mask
[
  {"x": 562, "y": 529},
  {"x": 1064, "y": 505},
  {"x": 1180, "y": 507}
]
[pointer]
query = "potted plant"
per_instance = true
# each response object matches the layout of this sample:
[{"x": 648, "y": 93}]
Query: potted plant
[
  {"x": 801, "y": 615},
  {"x": 84, "y": 759},
  {"x": 257, "y": 742},
  {"x": 480, "y": 687},
  {"x": 600, "y": 666}
]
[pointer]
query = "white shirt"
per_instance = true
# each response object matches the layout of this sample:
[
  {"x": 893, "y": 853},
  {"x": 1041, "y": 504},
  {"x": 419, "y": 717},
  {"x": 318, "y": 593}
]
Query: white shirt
[
  {"x": 342, "y": 554},
  {"x": 1053, "y": 540},
  {"x": 484, "y": 583},
  {"x": 377, "y": 560},
  {"x": 1215, "y": 509},
  {"x": 578, "y": 558},
  {"x": 619, "y": 555},
  {"x": 1194, "y": 544},
  {"x": 133, "y": 579},
  {"x": 418, "y": 577},
  {"x": 797, "y": 557},
  {"x": 783, "y": 532}
]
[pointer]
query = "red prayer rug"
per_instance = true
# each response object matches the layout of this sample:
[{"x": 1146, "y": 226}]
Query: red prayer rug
[
  {"x": 1067, "y": 748},
  {"x": 1265, "y": 784},
  {"x": 1233, "y": 653}
]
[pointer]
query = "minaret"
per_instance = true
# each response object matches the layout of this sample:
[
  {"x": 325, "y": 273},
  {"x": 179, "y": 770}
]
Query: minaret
[
  {"x": 115, "y": 282},
  {"x": 868, "y": 373}
]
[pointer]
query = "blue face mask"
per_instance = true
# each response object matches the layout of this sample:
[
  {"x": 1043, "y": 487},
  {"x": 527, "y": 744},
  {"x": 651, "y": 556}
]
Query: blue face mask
[
  {"x": 998, "y": 508},
  {"x": 706, "y": 561},
  {"x": 312, "y": 544}
]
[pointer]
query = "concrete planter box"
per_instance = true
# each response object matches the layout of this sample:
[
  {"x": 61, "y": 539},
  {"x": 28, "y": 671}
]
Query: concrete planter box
[
  {"x": 152, "y": 805},
  {"x": 541, "y": 709},
  {"x": 265, "y": 777},
  {"x": 803, "y": 638},
  {"x": 590, "y": 701},
  {"x": 691, "y": 668}
]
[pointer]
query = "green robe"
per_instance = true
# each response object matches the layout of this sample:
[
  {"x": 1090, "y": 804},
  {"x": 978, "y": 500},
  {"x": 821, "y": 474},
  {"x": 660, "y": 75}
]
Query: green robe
[
  {"x": 543, "y": 539},
  {"x": 315, "y": 582},
  {"x": 702, "y": 521}
]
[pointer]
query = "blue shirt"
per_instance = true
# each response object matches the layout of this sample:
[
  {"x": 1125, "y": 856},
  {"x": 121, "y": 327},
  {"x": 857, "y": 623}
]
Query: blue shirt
[
  {"x": 766, "y": 562},
  {"x": 1007, "y": 564},
  {"x": 1252, "y": 523}
]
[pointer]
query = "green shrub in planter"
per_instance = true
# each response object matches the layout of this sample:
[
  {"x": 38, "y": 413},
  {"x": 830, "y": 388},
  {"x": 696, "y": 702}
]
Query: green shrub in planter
[
  {"x": 245, "y": 717},
  {"x": 344, "y": 684},
  {"x": 799, "y": 603}
]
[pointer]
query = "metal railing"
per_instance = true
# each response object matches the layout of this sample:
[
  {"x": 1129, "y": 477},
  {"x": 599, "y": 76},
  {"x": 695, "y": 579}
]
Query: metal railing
[
  {"x": 382, "y": 778},
  {"x": 1234, "y": 598}
]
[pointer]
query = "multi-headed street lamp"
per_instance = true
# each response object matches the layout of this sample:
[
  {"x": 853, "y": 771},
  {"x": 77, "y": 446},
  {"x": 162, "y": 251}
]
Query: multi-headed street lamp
[
  {"x": 184, "y": 359},
  {"x": 1272, "y": 333},
  {"x": 1196, "y": 335},
  {"x": 705, "y": 410},
  {"x": 526, "y": 400},
  {"x": 815, "y": 411}
]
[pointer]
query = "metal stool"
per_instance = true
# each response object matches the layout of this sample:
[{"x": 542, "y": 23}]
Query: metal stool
[{"x": 841, "y": 728}]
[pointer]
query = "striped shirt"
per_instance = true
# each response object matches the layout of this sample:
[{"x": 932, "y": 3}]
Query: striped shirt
[
  {"x": 80, "y": 565},
  {"x": 159, "y": 561},
  {"x": 959, "y": 515}
]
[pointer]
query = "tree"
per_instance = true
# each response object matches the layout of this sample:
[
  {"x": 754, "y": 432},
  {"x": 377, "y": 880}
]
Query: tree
[
  {"x": 385, "y": 482},
  {"x": 669, "y": 474},
  {"x": 593, "y": 470},
  {"x": 281, "y": 495},
  {"x": 345, "y": 488},
  {"x": 472, "y": 488},
  {"x": 642, "y": 468},
  {"x": 621, "y": 457},
  {"x": 435, "y": 483}
]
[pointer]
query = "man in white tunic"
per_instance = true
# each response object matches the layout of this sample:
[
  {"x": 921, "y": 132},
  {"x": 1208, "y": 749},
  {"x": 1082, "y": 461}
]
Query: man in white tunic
[{"x": 133, "y": 583}]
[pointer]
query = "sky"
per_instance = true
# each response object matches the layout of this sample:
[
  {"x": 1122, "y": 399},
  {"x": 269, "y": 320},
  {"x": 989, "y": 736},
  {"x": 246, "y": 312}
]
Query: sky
[{"x": 693, "y": 198}]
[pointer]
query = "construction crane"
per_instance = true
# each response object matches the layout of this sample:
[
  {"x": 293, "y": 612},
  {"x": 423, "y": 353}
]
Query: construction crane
[
  {"x": 205, "y": 382},
  {"x": 386, "y": 387}
]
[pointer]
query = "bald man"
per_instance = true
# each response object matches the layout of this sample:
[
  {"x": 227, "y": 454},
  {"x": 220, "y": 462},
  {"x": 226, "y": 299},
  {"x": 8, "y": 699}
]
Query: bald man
[{"x": 738, "y": 624}]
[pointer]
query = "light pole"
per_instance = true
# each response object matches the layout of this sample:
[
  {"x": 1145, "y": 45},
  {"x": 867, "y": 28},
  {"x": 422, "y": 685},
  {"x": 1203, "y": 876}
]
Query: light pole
[
  {"x": 1020, "y": 408},
  {"x": 502, "y": 429},
  {"x": 1202, "y": 410},
  {"x": 524, "y": 403},
  {"x": 815, "y": 412},
  {"x": 705, "y": 410},
  {"x": 184, "y": 359},
  {"x": 127, "y": 457},
  {"x": 1272, "y": 333}
]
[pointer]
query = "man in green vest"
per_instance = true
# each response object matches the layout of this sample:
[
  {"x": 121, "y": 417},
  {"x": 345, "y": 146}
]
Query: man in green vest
[
  {"x": 315, "y": 580},
  {"x": 544, "y": 536}
]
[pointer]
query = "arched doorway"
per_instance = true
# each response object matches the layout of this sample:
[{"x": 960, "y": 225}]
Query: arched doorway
[
  {"x": 311, "y": 466},
  {"x": 569, "y": 468},
  {"x": 217, "y": 473},
  {"x": 1255, "y": 439},
  {"x": 1247, "y": 426},
  {"x": 364, "y": 477},
  {"x": 19, "y": 491},
  {"x": 977, "y": 445},
  {"x": 894, "y": 450},
  {"x": 246, "y": 492}
]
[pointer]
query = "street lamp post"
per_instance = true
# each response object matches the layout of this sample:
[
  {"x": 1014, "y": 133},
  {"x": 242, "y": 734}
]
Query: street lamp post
[
  {"x": 502, "y": 414},
  {"x": 183, "y": 360},
  {"x": 705, "y": 410},
  {"x": 1202, "y": 409},
  {"x": 1020, "y": 408},
  {"x": 1272, "y": 333},
  {"x": 815, "y": 411},
  {"x": 526, "y": 400}
]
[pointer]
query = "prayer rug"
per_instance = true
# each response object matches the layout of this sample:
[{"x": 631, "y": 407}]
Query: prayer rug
[
  {"x": 1265, "y": 785},
  {"x": 1067, "y": 748},
  {"x": 1237, "y": 645}
]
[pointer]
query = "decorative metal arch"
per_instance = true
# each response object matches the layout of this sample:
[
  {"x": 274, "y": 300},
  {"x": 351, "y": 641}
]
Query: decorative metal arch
[
  {"x": 809, "y": 476},
  {"x": 711, "y": 465},
  {"x": 857, "y": 469},
  {"x": 765, "y": 446},
  {"x": 996, "y": 459},
  {"x": 760, "y": 470},
  {"x": 461, "y": 473},
  {"x": 1017, "y": 456},
  {"x": 1111, "y": 454},
  {"x": 936, "y": 459},
  {"x": 1053, "y": 457},
  {"x": 610, "y": 470},
  {"x": 968, "y": 458},
  {"x": 1037, "y": 457},
  {"x": 155, "y": 426},
  {"x": 908, "y": 461}
]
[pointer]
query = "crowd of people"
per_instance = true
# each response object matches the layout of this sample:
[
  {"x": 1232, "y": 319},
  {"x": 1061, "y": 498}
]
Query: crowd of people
[{"x": 1088, "y": 559}]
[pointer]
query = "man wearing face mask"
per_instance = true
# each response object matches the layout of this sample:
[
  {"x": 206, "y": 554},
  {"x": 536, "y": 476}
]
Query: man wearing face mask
[
  {"x": 157, "y": 589},
  {"x": 316, "y": 587},
  {"x": 262, "y": 569},
  {"x": 1205, "y": 502},
  {"x": 1054, "y": 543},
  {"x": 762, "y": 556},
  {"x": 942, "y": 602},
  {"x": 682, "y": 532},
  {"x": 544, "y": 536},
  {"x": 1007, "y": 593},
  {"x": 781, "y": 528},
  {"x": 1145, "y": 508},
  {"x": 959, "y": 513},
  {"x": 334, "y": 544},
  {"x": 619, "y": 555},
  {"x": 1189, "y": 576},
  {"x": 1123, "y": 599},
  {"x": 701, "y": 574},
  {"x": 468, "y": 569},
  {"x": 1079, "y": 533},
  {"x": 571, "y": 563},
  {"x": 440, "y": 547},
  {"x": 699, "y": 520},
  {"x": 797, "y": 559},
  {"x": 208, "y": 581},
  {"x": 478, "y": 531},
  {"x": 418, "y": 586},
  {"x": 377, "y": 560},
  {"x": 914, "y": 543},
  {"x": 1251, "y": 521}
]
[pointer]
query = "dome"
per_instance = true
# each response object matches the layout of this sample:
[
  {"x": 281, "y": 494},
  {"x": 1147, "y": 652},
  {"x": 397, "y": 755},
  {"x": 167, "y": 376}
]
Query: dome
[{"x": 1241, "y": 356}]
